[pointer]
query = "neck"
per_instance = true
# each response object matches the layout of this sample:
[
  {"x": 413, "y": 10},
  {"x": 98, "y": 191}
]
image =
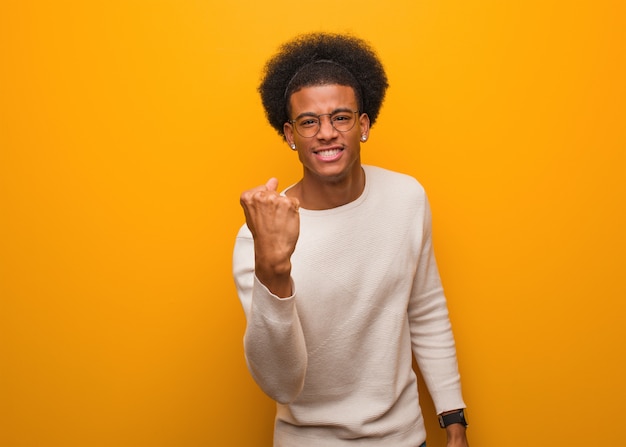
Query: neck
[{"x": 320, "y": 194}]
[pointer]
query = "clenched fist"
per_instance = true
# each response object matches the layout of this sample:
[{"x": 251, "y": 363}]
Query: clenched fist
[{"x": 274, "y": 222}]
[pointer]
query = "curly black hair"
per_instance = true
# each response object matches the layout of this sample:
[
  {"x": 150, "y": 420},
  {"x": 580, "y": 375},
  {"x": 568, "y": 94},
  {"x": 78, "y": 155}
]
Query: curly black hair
[{"x": 322, "y": 59}]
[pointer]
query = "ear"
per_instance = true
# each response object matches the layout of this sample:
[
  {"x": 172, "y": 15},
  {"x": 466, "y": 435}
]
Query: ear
[
  {"x": 288, "y": 132},
  {"x": 364, "y": 123}
]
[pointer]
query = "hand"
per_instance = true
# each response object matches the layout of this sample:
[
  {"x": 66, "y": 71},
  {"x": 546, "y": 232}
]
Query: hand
[{"x": 274, "y": 222}]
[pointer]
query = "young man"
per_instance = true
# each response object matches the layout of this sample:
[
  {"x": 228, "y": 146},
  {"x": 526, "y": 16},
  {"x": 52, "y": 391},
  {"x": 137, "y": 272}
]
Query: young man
[{"x": 337, "y": 275}]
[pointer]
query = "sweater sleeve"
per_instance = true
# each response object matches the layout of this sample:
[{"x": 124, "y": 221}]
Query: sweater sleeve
[
  {"x": 431, "y": 331},
  {"x": 274, "y": 345}
]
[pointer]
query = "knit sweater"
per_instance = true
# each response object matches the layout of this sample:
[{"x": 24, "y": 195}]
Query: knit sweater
[{"x": 336, "y": 355}]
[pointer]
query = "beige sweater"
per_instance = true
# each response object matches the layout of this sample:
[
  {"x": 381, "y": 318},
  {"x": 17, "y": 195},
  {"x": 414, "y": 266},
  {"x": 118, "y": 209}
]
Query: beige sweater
[{"x": 336, "y": 356}]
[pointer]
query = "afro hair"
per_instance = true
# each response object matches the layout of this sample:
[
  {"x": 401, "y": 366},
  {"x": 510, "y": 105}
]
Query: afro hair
[{"x": 322, "y": 59}]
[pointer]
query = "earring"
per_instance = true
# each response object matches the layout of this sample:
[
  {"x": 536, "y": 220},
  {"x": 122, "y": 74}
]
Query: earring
[
  {"x": 364, "y": 138},
  {"x": 292, "y": 146}
]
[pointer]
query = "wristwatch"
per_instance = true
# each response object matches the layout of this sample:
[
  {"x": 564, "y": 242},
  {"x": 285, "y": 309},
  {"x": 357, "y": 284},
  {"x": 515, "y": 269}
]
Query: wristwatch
[{"x": 457, "y": 417}]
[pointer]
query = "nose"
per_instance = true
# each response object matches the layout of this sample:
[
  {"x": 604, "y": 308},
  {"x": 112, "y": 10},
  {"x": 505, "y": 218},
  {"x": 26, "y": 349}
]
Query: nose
[{"x": 327, "y": 130}]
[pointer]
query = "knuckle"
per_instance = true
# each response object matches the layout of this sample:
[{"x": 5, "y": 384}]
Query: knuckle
[
  {"x": 258, "y": 196},
  {"x": 245, "y": 199}
]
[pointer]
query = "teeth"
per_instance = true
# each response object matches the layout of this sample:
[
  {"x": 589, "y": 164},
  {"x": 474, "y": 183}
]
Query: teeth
[{"x": 329, "y": 153}]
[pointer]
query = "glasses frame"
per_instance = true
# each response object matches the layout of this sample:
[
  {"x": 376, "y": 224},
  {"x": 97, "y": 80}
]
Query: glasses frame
[{"x": 319, "y": 118}]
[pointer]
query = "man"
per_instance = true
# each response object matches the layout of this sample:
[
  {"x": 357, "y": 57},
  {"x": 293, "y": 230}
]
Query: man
[{"x": 337, "y": 275}]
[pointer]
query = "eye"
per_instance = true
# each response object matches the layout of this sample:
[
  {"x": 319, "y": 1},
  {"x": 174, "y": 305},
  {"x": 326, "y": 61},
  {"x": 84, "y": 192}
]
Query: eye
[
  {"x": 341, "y": 117},
  {"x": 308, "y": 122}
]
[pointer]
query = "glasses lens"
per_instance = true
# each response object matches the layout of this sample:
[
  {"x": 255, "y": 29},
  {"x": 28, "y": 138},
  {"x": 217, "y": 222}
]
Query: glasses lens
[
  {"x": 343, "y": 121},
  {"x": 309, "y": 126}
]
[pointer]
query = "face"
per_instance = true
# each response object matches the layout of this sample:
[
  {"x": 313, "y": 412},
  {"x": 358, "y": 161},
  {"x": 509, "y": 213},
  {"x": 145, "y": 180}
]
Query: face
[{"x": 330, "y": 155}]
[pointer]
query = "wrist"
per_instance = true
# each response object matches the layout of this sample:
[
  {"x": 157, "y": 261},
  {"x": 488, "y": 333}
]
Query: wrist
[
  {"x": 277, "y": 279},
  {"x": 456, "y": 431},
  {"x": 272, "y": 263},
  {"x": 454, "y": 417},
  {"x": 274, "y": 260}
]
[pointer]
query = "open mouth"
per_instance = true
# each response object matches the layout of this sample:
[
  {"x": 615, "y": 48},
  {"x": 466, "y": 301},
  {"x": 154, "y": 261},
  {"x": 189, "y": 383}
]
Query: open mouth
[{"x": 329, "y": 154}]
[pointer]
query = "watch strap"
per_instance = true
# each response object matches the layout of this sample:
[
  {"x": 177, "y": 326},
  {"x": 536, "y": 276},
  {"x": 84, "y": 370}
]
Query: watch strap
[{"x": 456, "y": 417}]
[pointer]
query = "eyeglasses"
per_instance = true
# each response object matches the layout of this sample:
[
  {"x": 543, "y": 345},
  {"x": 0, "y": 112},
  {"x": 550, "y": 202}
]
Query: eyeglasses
[{"x": 309, "y": 125}]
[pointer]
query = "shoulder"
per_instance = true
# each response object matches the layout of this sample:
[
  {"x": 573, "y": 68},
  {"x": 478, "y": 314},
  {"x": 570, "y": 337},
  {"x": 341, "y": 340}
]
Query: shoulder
[
  {"x": 397, "y": 199},
  {"x": 394, "y": 183}
]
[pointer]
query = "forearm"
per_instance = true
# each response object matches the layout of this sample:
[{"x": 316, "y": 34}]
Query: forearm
[
  {"x": 435, "y": 351},
  {"x": 274, "y": 345},
  {"x": 274, "y": 342}
]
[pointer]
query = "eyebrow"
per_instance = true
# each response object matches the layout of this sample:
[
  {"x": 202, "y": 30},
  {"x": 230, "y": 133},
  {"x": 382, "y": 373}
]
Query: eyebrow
[{"x": 340, "y": 109}]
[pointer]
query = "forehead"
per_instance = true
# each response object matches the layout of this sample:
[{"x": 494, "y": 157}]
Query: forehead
[{"x": 321, "y": 99}]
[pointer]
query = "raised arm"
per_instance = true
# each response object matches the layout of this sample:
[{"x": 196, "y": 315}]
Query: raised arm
[{"x": 274, "y": 343}]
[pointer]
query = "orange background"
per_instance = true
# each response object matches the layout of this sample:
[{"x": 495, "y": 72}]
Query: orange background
[{"x": 129, "y": 128}]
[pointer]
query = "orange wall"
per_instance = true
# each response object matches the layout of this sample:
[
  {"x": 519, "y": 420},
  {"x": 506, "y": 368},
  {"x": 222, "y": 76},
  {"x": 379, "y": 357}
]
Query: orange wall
[{"x": 129, "y": 128}]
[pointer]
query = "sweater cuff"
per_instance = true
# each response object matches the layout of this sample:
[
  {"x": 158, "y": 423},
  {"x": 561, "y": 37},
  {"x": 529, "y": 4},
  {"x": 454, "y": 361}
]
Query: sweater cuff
[
  {"x": 448, "y": 400},
  {"x": 271, "y": 306}
]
